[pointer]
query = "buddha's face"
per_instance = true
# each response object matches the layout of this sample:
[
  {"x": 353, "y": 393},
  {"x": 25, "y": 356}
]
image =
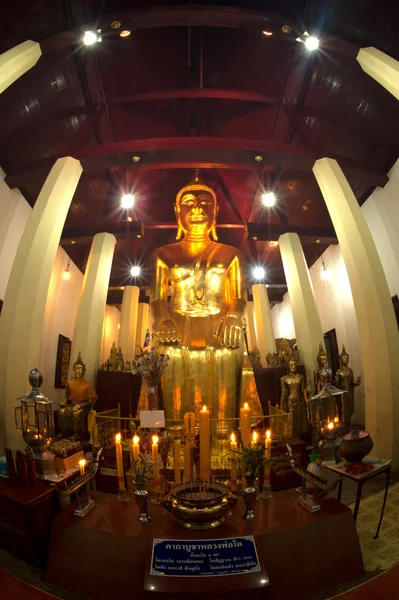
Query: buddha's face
[
  {"x": 323, "y": 361},
  {"x": 78, "y": 371},
  {"x": 344, "y": 360},
  {"x": 291, "y": 366},
  {"x": 197, "y": 212}
]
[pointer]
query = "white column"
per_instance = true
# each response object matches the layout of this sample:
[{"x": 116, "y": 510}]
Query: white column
[
  {"x": 128, "y": 330},
  {"x": 16, "y": 61},
  {"x": 143, "y": 322},
  {"x": 21, "y": 322},
  {"x": 263, "y": 322},
  {"x": 88, "y": 332},
  {"x": 306, "y": 317},
  {"x": 249, "y": 316},
  {"x": 375, "y": 316},
  {"x": 381, "y": 67}
]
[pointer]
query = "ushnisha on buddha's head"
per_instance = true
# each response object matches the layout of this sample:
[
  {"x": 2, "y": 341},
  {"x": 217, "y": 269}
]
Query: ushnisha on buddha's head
[
  {"x": 196, "y": 210},
  {"x": 79, "y": 367}
]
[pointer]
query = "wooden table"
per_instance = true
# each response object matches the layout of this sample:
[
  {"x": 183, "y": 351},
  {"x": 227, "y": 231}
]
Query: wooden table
[
  {"x": 380, "y": 467},
  {"x": 25, "y": 520},
  {"x": 106, "y": 553}
]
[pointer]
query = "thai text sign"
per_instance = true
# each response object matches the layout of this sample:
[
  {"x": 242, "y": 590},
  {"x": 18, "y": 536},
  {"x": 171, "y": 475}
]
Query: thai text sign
[{"x": 204, "y": 558}]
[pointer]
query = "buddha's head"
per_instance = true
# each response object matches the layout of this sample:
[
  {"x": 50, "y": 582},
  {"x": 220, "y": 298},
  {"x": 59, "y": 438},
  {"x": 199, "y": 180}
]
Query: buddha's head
[
  {"x": 79, "y": 368},
  {"x": 291, "y": 365},
  {"x": 344, "y": 358},
  {"x": 196, "y": 210},
  {"x": 322, "y": 358}
]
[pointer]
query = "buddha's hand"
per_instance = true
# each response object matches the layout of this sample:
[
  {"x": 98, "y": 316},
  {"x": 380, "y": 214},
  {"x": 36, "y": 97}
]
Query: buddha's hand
[
  {"x": 228, "y": 332},
  {"x": 167, "y": 331}
]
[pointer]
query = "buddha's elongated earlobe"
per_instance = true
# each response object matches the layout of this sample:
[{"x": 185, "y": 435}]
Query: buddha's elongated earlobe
[
  {"x": 179, "y": 233},
  {"x": 213, "y": 233}
]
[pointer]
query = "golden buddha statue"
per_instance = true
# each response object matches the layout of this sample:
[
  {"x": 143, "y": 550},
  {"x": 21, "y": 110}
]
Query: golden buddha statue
[
  {"x": 344, "y": 380},
  {"x": 295, "y": 394},
  {"x": 201, "y": 326},
  {"x": 324, "y": 373},
  {"x": 80, "y": 398}
]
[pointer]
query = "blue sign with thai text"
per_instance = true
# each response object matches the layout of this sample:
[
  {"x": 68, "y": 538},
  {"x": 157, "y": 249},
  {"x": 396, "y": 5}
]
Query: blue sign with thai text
[{"x": 204, "y": 558}]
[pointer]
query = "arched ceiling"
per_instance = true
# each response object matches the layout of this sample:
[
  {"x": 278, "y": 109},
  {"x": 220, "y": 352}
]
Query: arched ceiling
[{"x": 198, "y": 85}]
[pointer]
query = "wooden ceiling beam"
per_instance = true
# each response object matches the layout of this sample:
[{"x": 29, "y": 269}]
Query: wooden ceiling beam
[
  {"x": 197, "y": 93},
  {"x": 269, "y": 232},
  {"x": 206, "y": 152}
]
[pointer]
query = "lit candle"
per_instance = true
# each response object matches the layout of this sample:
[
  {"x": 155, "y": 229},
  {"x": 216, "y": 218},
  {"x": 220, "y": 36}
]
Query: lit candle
[
  {"x": 268, "y": 444},
  {"x": 336, "y": 420},
  {"x": 205, "y": 444},
  {"x": 176, "y": 462},
  {"x": 136, "y": 447},
  {"x": 245, "y": 420},
  {"x": 155, "y": 465},
  {"x": 254, "y": 439},
  {"x": 119, "y": 463},
  {"x": 233, "y": 446},
  {"x": 330, "y": 425},
  {"x": 82, "y": 464}
]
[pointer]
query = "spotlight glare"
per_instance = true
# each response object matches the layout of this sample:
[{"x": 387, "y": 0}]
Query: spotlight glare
[
  {"x": 125, "y": 33},
  {"x": 135, "y": 271},
  {"x": 312, "y": 43},
  {"x": 267, "y": 33},
  {"x": 127, "y": 201},
  {"x": 269, "y": 199},
  {"x": 325, "y": 274},
  {"x": 90, "y": 38},
  {"x": 259, "y": 273}
]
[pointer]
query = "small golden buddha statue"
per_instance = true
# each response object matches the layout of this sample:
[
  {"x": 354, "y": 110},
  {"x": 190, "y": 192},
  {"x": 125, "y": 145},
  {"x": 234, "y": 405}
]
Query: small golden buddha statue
[
  {"x": 344, "y": 380},
  {"x": 294, "y": 396},
  {"x": 201, "y": 326},
  {"x": 324, "y": 372},
  {"x": 80, "y": 398}
]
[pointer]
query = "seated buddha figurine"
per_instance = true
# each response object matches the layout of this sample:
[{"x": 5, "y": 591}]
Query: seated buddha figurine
[
  {"x": 80, "y": 398},
  {"x": 294, "y": 396},
  {"x": 344, "y": 380},
  {"x": 200, "y": 327}
]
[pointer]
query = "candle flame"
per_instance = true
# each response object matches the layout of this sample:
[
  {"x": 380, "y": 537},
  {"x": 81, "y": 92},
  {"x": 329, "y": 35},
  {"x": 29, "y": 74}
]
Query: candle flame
[
  {"x": 254, "y": 436},
  {"x": 336, "y": 420},
  {"x": 136, "y": 439},
  {"x": 204, "y": 408},
  {"x": 82, "y": 462},
  {"x": 233, "y": 437},
  {"x": 155, "y": 439},
  {"x": 246, "y": 406},
  {"x": 268, "y": 434},
  {"x": 118, "y": 437},
  {"x": 330, "y": 425}
]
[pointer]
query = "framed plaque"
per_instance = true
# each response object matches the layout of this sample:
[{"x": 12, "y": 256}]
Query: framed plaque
[{"x": 62, "y": 361}]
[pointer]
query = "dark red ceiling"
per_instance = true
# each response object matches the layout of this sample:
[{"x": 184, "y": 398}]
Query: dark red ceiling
[{"x": 198, "y": 85}]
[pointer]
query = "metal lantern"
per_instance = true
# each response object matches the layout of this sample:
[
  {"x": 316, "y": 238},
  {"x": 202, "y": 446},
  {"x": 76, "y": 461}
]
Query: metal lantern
[{"x": 35, "y": 419}]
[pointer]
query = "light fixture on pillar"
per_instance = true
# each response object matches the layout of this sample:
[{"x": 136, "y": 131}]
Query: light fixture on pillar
[
  {"x": 269, "y": 199},
  {"x": 310, "y": 41},
  {"x": 67, "y": 273},
  {"x": 259, "y": 273},
  {"x": 135, "y": 271},
  {"x": 127, "y": 201},
  {"x": 325, "y": 274},
  {"x": 91, "y": 37}
]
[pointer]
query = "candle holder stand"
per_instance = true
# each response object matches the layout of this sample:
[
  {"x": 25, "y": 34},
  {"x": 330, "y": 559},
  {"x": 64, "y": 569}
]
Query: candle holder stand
[
  {"x": 249, "y": 499},
  {"x": 83, "y": 507},
  {"x": 141, "y": 496}
]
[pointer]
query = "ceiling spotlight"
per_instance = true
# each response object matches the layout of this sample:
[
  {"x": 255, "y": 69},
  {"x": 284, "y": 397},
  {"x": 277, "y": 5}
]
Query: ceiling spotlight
[
  {"x": 127, "y": 200},
  {"x": 268, "y": 33},
  {"x": 116, "y": 24},
  {"x": 269, "y": 199},
  {"x": 258, "y": 158},
  {"x": 259, "y": 273},
  {"x": 125, "y": 33},
  {"x": 273, "y": 244},
  {"x": 135, "y": 271},
  {"x": 67, "y": 273},
  {"x": 136, "y": 159},
  {"x": 325, "y": 274},
  {"x": 73, "y": 242},
  {"x": 311, "y": 42},
  {"x": 91, "y": 37}
]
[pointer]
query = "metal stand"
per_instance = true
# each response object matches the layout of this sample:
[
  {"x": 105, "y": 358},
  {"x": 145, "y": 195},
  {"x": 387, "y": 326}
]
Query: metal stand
[{"x": 84, "y": 507}]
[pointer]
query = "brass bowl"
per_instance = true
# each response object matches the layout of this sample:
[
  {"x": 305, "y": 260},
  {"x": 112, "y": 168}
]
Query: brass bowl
[{"x": 195, "y": 509}]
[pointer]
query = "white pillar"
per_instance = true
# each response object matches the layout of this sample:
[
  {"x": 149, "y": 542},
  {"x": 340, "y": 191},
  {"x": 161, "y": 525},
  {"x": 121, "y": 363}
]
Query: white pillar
[
  {"x": 375, "y": 316},
  {"x": 381, "y": 67},
  {"x": 143, "y": 322},
  {"x": 16, "y": 61},
  {"x": 306, "y": 317},
  {"x": 263, "y": 322},
  {"x": 21, "y": 322},
  {"x": 250, "y": 318},
  {"x": 128, "y": 330},
  {"x": 88, "y": 332}
]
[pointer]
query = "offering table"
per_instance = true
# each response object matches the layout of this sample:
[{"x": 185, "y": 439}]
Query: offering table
[{"x": 107, "y": 554}]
